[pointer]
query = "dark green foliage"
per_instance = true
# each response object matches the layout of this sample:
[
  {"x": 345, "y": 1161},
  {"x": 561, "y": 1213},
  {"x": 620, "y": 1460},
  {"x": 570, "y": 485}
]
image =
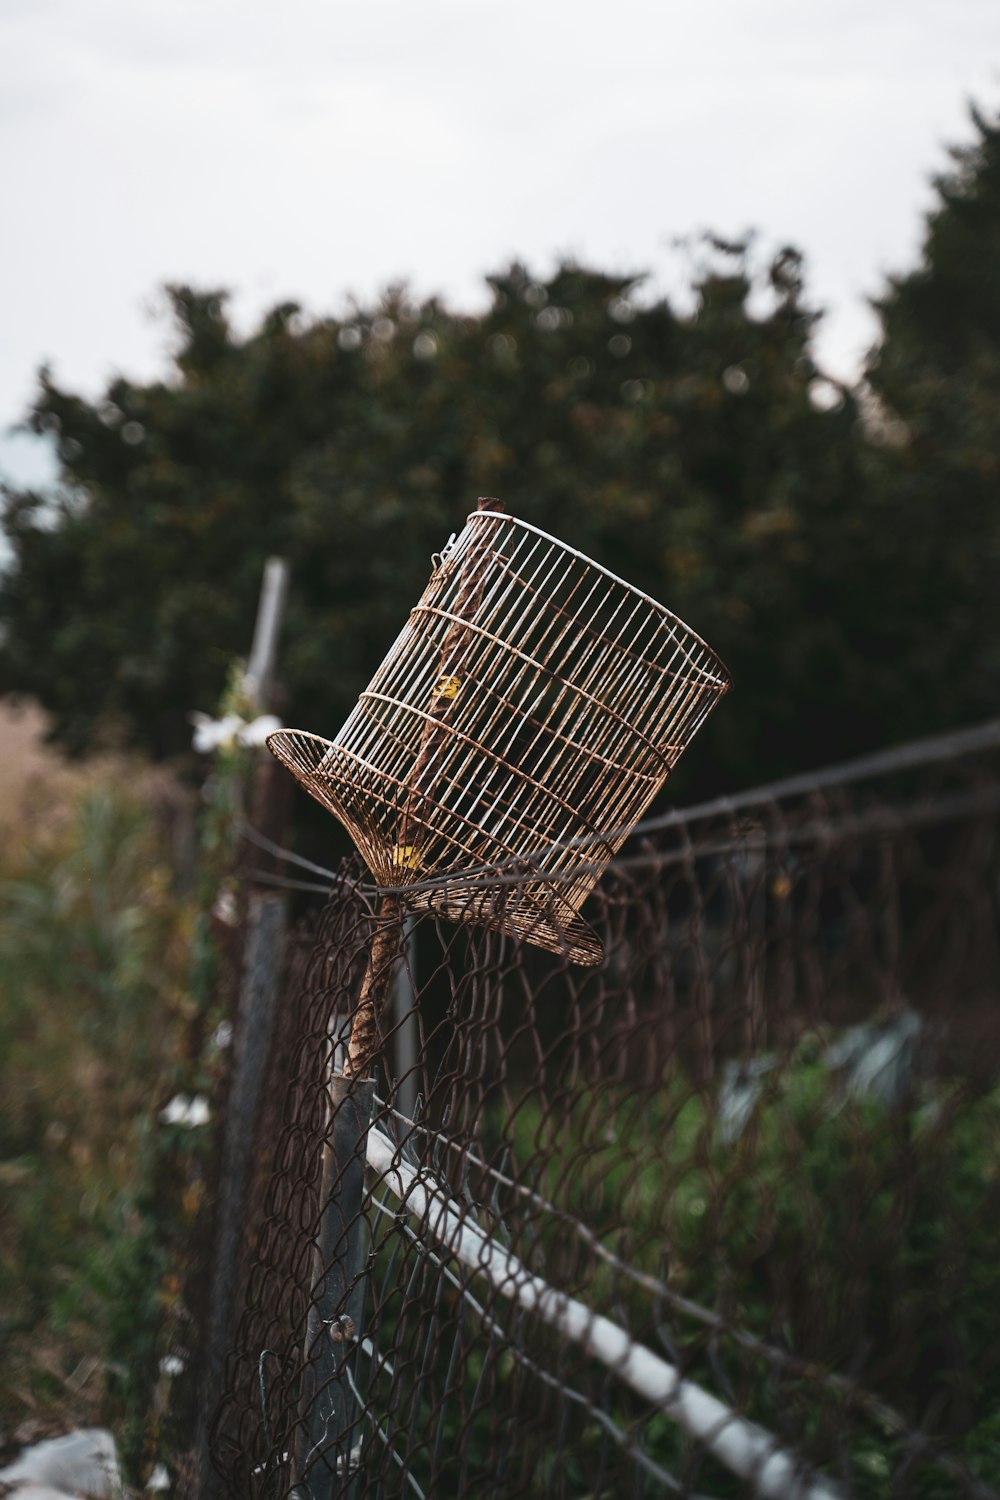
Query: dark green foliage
[
  {"x": 849, "y": 583},
  {"x": 854, "y": 1238},
  {"x": 93, "y": 957},
  {"x": 937, "y": 374},
  {"x": 943, "y": 319}
]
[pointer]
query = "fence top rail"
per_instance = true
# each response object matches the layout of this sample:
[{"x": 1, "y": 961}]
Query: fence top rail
[{"x": 908, "y": 756}]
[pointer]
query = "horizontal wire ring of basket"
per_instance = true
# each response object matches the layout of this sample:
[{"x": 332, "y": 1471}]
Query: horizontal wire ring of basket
[{"x": 532, "y": 706}]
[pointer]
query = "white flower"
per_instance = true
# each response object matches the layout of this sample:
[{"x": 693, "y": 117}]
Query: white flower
[
  {"x": 184, "y": 1111},
  {"x": 222, "y": 1035},
  {"x": 257, "y": 731},
  {"x": 171, "y": 1364},
  {"x": 218, "y": 734},
  {"x": 224, "y": 908},
  {"x": 214, "y": 734}
]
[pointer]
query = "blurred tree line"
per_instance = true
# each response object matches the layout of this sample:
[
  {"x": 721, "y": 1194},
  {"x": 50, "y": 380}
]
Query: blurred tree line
[{"x": 839, "y": 548}]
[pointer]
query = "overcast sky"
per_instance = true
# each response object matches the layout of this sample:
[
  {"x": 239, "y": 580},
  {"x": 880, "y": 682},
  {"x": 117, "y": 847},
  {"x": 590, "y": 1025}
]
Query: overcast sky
[{"x": 308, "y": 149}]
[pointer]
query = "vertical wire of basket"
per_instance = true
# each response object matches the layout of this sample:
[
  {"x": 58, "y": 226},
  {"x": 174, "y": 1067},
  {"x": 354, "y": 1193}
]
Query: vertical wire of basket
[{"x": 528, "y": 712}]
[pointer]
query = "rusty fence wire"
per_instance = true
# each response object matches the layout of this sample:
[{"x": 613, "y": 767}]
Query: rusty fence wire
[{"x": 717, "y": 1218}]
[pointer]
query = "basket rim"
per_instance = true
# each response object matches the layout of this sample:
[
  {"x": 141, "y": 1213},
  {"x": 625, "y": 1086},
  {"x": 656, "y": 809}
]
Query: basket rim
[{"x": 723, "y": 679}]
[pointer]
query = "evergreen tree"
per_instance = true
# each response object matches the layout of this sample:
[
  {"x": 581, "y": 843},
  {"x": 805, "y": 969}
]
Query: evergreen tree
[
  {"x": 688, "y": 453},
  {"x": 936, "y": 373}
]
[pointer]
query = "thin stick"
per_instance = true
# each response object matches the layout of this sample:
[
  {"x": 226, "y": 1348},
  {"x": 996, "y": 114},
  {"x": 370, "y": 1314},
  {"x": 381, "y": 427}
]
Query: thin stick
[
  {"x": 445, "y": 694},
  {"x": 387, "y": 944},
  {"x": 386, "y": 949}
]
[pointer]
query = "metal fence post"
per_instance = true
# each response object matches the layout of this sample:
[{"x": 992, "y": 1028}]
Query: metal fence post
[
  {"x": 406, "y": 1032},
  {"x": 327, "y": 1443},
  {"x": 252, "y": 1033}
]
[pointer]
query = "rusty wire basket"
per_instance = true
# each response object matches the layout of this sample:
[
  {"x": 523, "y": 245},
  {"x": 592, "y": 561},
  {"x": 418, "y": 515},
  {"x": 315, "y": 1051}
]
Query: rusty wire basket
[{"x": 527, "y": 714}]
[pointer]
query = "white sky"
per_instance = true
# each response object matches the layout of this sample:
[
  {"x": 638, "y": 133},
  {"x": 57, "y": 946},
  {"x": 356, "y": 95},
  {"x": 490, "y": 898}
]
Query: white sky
[{"x": 309, "y": 149}]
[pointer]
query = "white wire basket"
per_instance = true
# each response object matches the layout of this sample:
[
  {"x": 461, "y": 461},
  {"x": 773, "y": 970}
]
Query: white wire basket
[{"x": 527, "y": 714}]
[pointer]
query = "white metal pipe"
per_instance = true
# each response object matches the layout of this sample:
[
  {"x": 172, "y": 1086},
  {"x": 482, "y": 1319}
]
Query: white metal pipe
[{"x": 742, "y": 1446}]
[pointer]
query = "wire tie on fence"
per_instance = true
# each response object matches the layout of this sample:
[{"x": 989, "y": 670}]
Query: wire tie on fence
[{"x": 342, "y": 1330}]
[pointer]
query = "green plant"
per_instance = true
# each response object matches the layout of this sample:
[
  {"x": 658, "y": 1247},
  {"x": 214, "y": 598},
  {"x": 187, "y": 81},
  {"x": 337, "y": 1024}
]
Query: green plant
[
  {"x": 854, "y": 1237},
  {"x": 93, "y": 962}
]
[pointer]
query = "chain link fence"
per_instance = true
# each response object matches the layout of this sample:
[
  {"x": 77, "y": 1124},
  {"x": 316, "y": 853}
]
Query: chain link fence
[{"x": 714, "y": 1219}]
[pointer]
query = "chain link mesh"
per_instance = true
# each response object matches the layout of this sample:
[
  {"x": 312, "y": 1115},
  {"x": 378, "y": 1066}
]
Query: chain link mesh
[{"x": 712, "y": 1219}]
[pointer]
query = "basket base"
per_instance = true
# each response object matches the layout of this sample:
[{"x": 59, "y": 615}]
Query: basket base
[
  {"x": 558, "y": 929},
  {"x": 539, "y": 915}
]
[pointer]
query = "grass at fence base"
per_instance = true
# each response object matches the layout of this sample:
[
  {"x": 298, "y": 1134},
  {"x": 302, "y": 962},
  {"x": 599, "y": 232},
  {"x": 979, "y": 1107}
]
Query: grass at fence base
[
  {"x": 857, "y": 1236},
  {"x": 827, "y": 1225},
  {"x": 830, "y": 1225},
  {"x": 94, "y": 1021}
]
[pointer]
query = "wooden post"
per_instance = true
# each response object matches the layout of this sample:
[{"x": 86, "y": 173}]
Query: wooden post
[
  {"x": 263, "y": 959},
  {"x": 258, "y": 680}
]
